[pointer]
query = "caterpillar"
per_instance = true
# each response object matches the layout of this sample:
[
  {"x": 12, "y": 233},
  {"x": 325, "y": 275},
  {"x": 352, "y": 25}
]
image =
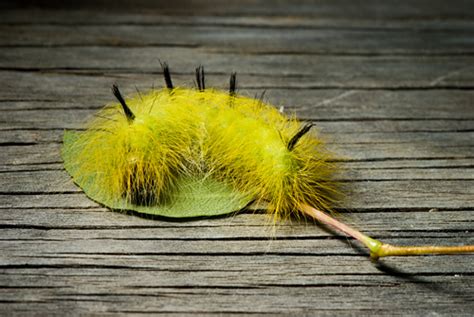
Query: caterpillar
[{"x": 181, "y": 152}]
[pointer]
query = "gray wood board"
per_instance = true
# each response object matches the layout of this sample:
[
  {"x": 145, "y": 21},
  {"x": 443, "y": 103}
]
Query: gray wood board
[
  {"x": 388, "y": 86},
  {"x": 372, "y": 12},
  {"x": 292, "y": 70},
  {"x": 242, "y": 39}
]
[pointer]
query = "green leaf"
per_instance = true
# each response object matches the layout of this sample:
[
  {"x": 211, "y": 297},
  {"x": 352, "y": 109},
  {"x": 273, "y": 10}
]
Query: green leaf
[{"x": 195, "y": 197}]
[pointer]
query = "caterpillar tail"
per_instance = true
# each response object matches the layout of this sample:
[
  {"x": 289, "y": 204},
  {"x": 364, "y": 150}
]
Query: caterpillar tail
[{"x": 379, "y": 249}]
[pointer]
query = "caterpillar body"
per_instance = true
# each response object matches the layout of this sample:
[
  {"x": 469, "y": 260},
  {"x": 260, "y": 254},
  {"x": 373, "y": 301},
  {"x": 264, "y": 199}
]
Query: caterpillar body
[
  {"x": 142, "y": 149},
  {"x": 181, "y": 152}
]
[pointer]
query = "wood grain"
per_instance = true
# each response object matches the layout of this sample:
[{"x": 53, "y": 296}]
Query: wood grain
[
  {"x": 388, "y": 84},
  {"x": 241, "y": 39},
  {"x": 326, "y": 71}
]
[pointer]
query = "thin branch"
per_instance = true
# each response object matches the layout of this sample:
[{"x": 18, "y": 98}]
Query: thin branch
[{"x": 377, "y": 248}]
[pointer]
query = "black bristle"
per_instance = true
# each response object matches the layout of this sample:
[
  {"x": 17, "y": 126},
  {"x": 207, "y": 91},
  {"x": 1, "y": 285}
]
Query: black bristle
[
  {"x": 139, "y": 93},
  {"x": 167, "y": 75},
  {"x": 297, "y": 136},
  {"x": 232, "y": 83},
  {"x": 200, "y": 77},
  {"x": 262, "y": 97},
  {"x": 128, "y": 113}
]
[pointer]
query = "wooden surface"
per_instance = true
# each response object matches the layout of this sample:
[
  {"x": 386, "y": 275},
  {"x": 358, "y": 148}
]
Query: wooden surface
[{"x": 390, "y": 85}]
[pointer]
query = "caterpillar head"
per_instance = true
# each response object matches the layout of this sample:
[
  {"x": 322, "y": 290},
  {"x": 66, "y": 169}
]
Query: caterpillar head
[{"x": 181, "y": 152}]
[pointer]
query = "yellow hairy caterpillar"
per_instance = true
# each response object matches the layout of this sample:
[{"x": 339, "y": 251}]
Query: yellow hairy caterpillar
[{"x": 182, "y": 152}]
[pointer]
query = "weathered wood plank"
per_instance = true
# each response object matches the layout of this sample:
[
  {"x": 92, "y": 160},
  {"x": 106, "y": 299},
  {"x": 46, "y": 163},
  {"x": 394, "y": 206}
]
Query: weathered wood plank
[
  {"x": 37, "y": 91},
  {"x": 318, "y": 20},
  {"x": 408, "y": 108},
  {"x": 242, "y": 39},
  {"x": 27, "y": 155},
  {"x": 316, "y": 262},
  {"x": 324, "y": 71},
  {"x": 319, "y": 12},
  {"x": 100, "y": 223},
  {"x": 86, "y": 249},
  {"x": 227, "y": 298}
]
